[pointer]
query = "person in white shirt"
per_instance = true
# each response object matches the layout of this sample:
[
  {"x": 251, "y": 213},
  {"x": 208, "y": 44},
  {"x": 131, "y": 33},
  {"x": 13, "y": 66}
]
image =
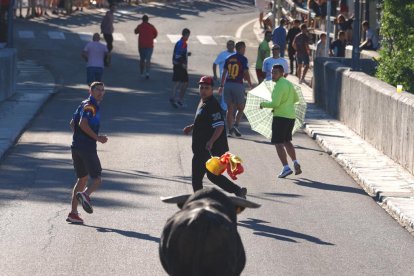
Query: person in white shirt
[
  {"x": 321, "y": 46},
  {"x": 221, "y": 58},
  {"x": 274, "y": 59},
  {"x": 371, "y": 38}
]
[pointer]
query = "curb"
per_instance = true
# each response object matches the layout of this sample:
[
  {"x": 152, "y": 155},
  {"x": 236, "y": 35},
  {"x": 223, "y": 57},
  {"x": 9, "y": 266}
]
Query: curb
[{"x": 35, "y": 85}]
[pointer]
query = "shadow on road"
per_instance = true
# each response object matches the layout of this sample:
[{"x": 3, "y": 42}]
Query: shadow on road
[
  {"x": 126, "y": 233},
  {"x": 305, "y": 182},
  {"x": 261, "y": 229}
]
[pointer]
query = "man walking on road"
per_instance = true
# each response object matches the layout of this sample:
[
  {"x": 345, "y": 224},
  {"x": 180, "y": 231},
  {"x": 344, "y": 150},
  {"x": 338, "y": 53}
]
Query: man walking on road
[
  {"x": 180, "y": 74},
  {"x": 235, "y": 70},
  {"x": 279, "y": 36},
  {"x": 221, "y": 58},
  {"x": 284, "y": 97},
  {"x": 146, "y": 34},
  {"x": 94, "y": 54},
  {"x": 301, "y": 45},
  {"x": 85, "y": 125},
  {"x": 274, "y": 59},
  {"x": 209, "y": 136},
  {"x": 107, "y": 29},
  {"x": 262, "y": 53}
]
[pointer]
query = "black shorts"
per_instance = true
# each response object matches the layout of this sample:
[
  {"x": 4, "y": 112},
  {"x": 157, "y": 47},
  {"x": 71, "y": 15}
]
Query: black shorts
[
  {"x": 282, "y": 130},
  {"x": 179, "y": 73},
  {"x": 86, "y": 163}
]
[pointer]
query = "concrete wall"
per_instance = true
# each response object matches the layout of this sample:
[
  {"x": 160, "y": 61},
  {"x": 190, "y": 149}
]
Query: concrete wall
[
  {"x": 368, "y": 106},
  {"x": 8, "y": 72}
]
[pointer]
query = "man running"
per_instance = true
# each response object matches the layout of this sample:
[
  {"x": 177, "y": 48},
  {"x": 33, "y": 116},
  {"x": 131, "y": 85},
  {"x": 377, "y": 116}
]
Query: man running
[
  {"x": 85, "y": 126},
  {"x": 180, "y": 74},
  {"x": 146, "y": 34},
  {"x": 284, "y": 97},
  {"x": 235, "y": 70},
  {"x": 209, "y": 136}
]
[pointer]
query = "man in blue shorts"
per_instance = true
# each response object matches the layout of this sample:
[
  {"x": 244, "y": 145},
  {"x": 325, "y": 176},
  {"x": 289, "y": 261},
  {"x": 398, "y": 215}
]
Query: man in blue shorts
[
  {"x": 180, "y": 75},
  {"x": 284, "y": 97},
  {"x": 235, "y": 70},
  {"x": 146, "y": 34},
  {"x": 85, "y": 126}
]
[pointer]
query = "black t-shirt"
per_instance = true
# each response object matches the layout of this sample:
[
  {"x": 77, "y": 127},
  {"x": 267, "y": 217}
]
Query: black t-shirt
[
  {"x": 209, "y": 116},
  {"x": 340, "y": 48}
]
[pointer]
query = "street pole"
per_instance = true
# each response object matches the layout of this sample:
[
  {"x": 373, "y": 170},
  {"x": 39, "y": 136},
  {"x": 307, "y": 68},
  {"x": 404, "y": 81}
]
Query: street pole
[
  {"x": 10, "y": 13},
  {"x": 328, "y": 26},
  {"x": 356, "y": 39}
]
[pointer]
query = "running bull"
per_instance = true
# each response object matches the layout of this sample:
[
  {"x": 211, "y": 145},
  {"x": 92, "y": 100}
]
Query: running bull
[{"x": 202, "y": 239}]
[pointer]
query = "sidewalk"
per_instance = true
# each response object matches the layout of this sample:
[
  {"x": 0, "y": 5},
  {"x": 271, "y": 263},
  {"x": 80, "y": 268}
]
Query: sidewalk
[
  {"x": 34, "y": 87},
  {"x": 382, "y": 178}
]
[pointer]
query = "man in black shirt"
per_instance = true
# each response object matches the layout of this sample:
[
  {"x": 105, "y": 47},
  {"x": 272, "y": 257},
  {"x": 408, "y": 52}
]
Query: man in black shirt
[
  {"x": 209, "y": 136},
  {"x": 337, "y": 48},
  {"x": 294, "y": 31}
]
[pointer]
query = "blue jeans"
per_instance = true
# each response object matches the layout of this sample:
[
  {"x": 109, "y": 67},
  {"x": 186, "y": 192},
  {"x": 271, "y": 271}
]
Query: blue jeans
[{"x": 93, "y": 74}]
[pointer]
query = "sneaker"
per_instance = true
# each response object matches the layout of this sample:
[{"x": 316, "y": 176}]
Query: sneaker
[
  {"x": 85, "y": 201},
  {"x": 298, "y": 170},
  {"x": 300, "y": 81},
  {"x": 285, "y": 172},
  {"x": 181, "y": 104},
  {"x": 74, "y": 218},
  {"x": 242, "y": 193},
  {"x": 237, "y": 131},
  {"x": 173, "y": 103},
  {"x": 231, "y": 132}
]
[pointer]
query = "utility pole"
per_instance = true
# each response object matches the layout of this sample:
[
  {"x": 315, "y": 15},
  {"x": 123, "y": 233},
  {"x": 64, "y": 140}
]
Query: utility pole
[
  {"x": 328, "y": 26},
  {"x": 10, "y": 14},
  {"x": 356, "y": 39}
]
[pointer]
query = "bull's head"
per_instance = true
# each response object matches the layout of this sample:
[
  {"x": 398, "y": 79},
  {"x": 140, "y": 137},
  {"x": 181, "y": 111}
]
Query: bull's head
[{"x": 202, "y": 238}]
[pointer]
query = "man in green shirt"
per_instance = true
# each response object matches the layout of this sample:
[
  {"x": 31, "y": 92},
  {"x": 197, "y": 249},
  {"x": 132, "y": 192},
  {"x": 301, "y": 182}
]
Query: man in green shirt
[
  {"x": 262, "y": 53},
  {"x": 284, "y": 97}
]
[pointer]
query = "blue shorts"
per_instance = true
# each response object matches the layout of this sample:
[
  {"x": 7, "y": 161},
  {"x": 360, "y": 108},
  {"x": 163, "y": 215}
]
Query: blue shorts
[
  {"x": 234, "y": 93},
  {"x": 145, "y": 53},
  {"x": 93, "y": 74},
  {"x": 304, "y": 60}
]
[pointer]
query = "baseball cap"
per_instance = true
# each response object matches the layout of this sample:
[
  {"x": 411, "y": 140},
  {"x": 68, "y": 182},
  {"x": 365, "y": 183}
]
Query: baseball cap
[{"x": 206, "y": 80}]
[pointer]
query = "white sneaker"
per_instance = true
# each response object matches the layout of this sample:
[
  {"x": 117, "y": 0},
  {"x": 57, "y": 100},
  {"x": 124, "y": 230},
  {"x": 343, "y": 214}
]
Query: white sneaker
[
  {"x": 285, "y": 172},
  {"x": 298, "y": 170}
]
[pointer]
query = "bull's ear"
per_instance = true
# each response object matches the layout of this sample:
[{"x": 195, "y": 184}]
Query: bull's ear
[
  {"x": 179, "y": 200},
  {"x": 242, "y": 203}
]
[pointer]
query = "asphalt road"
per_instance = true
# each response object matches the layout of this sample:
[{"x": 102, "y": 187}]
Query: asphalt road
[{"x": 320, "y": 223}]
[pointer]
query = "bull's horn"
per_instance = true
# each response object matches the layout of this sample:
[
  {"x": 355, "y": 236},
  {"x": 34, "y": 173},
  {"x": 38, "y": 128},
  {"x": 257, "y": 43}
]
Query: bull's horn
[
  {"x": 179, "y": 200},
  {"x": 238, "y": 201}
]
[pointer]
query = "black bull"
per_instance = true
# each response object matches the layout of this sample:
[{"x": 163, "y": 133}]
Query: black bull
[{"x": 202, "y": 239}]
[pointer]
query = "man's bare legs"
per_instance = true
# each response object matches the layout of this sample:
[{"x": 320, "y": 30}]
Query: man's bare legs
[{"x": 80, "y": 187}]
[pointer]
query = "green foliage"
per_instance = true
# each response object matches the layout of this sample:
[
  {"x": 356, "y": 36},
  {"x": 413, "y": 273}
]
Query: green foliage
[{"x": 396, "y": 64}]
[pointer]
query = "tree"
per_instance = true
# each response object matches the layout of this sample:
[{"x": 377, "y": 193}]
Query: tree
[{"x": 396, "y": 64}]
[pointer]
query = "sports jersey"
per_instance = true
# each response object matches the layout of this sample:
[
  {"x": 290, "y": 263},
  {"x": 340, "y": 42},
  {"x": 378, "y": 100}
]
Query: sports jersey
[
  {"x": 208, "y": 117},
  {"x": 236, "y": 64},
  {"x": 284, "y": 97},
  {"x": 180, "y": 52},
  {"x": 88, "y": 110},
  {"x": 221, "y": 58}
]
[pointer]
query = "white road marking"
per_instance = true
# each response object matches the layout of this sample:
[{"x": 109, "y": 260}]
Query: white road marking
[
  {"x": 26, "y": 34},
  {"x": 173, "y": 38},
  {"x": 119, "y": 37},
  {"x": 56, "y": 35},
  {"x": 206, "y": 39},
  {"x": 85, "y": 36},
  {"x": 241, "y": 28}
]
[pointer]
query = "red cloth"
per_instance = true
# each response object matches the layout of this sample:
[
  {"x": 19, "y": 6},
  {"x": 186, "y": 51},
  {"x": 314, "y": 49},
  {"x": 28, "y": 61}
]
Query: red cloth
[{"x": 146, "y": 34}]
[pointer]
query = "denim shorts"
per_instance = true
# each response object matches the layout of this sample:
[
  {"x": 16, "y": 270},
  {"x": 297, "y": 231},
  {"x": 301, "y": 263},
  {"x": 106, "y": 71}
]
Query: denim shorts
[
  {"x": 93, "y": 74},
  {"x": 145, "y": 53},
  {"x": 234, "y": 93},
  {"x": 86, "y": 163}
]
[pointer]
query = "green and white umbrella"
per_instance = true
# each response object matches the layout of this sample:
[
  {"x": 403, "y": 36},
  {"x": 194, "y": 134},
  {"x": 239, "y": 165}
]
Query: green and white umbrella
[{"x": 261, "y": 119}]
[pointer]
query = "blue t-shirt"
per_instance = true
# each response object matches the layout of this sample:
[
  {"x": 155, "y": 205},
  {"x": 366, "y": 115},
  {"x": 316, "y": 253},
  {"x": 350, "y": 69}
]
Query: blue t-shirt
[
  {"x": 180, "y": 52},
  {"x": 236, "y": 64},
  {"x": 88, "y": 110},
  {"x": 279, "y": 37}
]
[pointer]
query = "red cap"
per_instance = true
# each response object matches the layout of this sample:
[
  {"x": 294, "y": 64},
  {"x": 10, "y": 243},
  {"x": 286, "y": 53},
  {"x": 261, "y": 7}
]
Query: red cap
[{"x": 206, "y": 80}]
